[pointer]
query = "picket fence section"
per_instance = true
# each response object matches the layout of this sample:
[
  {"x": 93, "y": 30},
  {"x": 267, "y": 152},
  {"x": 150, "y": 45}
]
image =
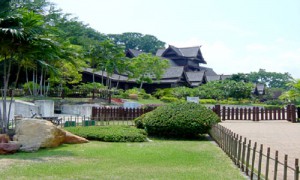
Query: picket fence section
[
  {"x": 118, "y": 113},
  {"x": 256, "y": 113},
  {"x": 252, "y": 158},
  {"x": 225, "y": 113}
]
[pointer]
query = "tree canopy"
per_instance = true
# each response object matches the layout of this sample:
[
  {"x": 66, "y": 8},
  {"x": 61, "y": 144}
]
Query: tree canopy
[
  {"x": 271, "y": 79},
  {"x": 131, "y": 40}
]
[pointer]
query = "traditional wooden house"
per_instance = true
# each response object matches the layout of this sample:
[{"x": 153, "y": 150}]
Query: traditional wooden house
[{"x": 185, "y": 70}]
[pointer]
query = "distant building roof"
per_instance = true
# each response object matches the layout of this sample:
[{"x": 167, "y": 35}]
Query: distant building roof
[
  {"x": 195, "y": 78},
  {"x": 213, "y": 78},
  {"x": 188, "y": 52},
  {"x": 159, "y": 52},
  {"x": 131, "y": 53}
]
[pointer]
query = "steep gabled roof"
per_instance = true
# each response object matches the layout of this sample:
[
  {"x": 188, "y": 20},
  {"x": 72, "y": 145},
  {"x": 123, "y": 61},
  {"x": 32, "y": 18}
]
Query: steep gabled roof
[
  {"x": 131, "y": 53},
  {"x": 208, "y": 71},
  {"x": 195, "y": 78},
  {"x": 159, "y": 52},
  {"x": 188, "y": 52}
]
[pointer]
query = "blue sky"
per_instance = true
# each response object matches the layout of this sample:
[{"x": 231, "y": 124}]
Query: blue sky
[{"x": 235, "y": 35}]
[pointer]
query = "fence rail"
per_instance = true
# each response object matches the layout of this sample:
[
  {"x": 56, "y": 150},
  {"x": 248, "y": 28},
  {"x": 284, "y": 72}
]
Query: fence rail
[
  {"x": 256, "y": 161},
  {"x": 290, "y": 113},
  {"x": 118, "y": 113}
]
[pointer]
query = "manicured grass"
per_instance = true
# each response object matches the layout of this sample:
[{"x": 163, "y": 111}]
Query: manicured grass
[{"x": 159, "y": 159}]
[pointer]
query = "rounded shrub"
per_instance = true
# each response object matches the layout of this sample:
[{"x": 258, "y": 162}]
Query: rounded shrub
[{"x": 178, "y": 120}]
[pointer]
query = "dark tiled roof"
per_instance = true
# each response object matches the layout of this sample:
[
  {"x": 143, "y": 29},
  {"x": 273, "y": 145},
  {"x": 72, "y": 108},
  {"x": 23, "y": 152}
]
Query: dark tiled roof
[
  {"x": 188, "y": 52},
  {"x": 159, "y": 52},
  {"x": 208, "y": 71},
  {"x": 173, "y": 72},
  {"x": 133, "y": 52},
  {"x": 195, "y": 76},
  {"x": 213, "y": 78}
]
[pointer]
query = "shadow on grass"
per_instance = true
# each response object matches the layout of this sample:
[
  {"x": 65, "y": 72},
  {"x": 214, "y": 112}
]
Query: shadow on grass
[{"x": 41, "y": 154}]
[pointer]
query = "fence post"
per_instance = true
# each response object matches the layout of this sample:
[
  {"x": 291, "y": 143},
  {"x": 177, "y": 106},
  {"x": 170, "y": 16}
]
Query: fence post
[
  {"x": 218, "y": 109},
  {"x": 288, "y": 112},
  {"x": 296, "y": 169},
  {"x": 293, "y": 113},
  {"x": 298, "y": 112}
]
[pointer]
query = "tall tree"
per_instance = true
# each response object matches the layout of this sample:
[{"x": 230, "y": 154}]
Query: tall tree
[
  {"x": 271, "y": 79},
  {"x": 146, "y": 67},
  {"x": 138, "y": 41}
]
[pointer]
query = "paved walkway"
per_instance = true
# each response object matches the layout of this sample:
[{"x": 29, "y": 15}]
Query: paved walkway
[{"x": 279, "y": 135}]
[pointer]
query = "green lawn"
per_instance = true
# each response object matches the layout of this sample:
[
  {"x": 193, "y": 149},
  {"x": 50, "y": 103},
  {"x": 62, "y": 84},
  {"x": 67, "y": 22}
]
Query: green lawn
[{"x": 159, "y": 159}]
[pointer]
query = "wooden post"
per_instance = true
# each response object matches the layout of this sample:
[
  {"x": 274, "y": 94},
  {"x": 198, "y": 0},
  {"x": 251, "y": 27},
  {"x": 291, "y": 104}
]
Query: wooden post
[
  {"x": 239, "y": 152},
  {"x": 223, "y": 113},
  {"x": 288, "y": 110},
  {"x": 267, "y": 163},
  {"x": 248, "y": 157},
  {"x": 253, "y": 160},
  {"x": 293, "y": 113},
  {"x": 296, "y": 176},
  {"x": 243, "y": 154},
  {"x": 254, "y": 114},
  {"x": 259, "y": 161},
  {"x": 276, "y": 165},
  {"x": 285, "y": 167}
]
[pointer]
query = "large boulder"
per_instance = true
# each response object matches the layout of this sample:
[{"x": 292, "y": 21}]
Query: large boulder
[
  {"x": 4, "y": 138},
  {"x": 74, "y": 139},
  {"x": 9, "y": 147},
  {"x": 33, "y": 134}
]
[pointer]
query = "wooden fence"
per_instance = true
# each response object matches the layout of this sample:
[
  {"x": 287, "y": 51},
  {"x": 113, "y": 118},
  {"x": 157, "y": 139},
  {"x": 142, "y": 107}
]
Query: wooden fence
[
  {"x": 290, "y": 113},
  {"x": 225, "y": 113},
  {"x": 118, "y": 113},
  {"x": 251, "y": 159}
]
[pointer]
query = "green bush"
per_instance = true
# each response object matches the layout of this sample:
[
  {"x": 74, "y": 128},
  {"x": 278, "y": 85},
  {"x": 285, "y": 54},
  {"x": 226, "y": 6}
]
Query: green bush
[
  {"x": 163, "y": 92},
  {"x": 89, "y": 87},
  {"x": 273, "y": 106},
  {"x": 167, "y": 99},
  {"x": 208, "y": 101},
  {"x": 110, "y": 133},
  {"x": 179, "y": 120}
]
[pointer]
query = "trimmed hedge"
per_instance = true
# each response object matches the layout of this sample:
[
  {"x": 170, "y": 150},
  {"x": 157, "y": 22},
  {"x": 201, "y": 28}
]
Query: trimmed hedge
[
  {"x": 110, "y": 133},
  {"x": 179, "y": 120}
]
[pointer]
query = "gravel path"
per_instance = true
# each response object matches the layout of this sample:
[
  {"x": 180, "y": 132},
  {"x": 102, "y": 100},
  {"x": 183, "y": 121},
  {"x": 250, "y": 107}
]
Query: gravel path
[{"x": 279, "y": 135}]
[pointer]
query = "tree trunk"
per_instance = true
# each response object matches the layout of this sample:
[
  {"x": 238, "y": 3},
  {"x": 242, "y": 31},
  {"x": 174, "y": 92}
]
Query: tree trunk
[
  {"x": 141, "y": 86},
  {"x": 17, "y": 76},
  {"x": 6, "y": 74},
  {"x": 93, "y": 76},
  {"x": 118, "y": 82},
  {"x": 41, "y": 82},
  {"x": 26, "y": 71}
]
